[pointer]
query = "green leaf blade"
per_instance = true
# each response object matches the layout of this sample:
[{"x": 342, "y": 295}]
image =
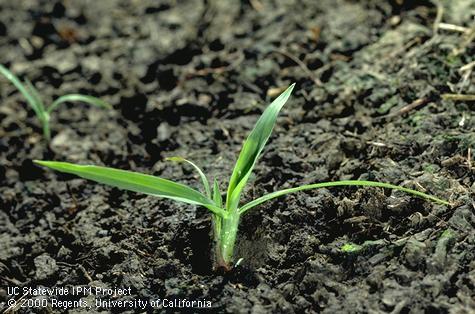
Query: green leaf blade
[
  {"x": 136, "y": 182},
  {"x": 35, "y": 95},
  {"x": 273, "y": 195},
  {"x": 31, "y": 99},
  {"x": 218, "y": 200},
  {"x": 79, "y": 97},
  {"x": 253, "y": 147},
  {"x": 202, "y": 175}
]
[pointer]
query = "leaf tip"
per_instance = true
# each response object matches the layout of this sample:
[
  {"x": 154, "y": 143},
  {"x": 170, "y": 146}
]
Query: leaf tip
[
  {"x": 40, "y": 162},
  {"x": 46, "y": 163},
  {"x": 100, "y": 103},
  {"x": 288, "y": 91}
]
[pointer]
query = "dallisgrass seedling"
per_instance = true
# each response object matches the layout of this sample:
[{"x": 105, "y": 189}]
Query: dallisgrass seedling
[
  {"x": 225, "y": 215},
  {"x": 42, "y": 112}
]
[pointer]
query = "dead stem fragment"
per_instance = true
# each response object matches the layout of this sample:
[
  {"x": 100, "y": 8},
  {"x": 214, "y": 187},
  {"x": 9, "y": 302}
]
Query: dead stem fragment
[
  {"x": 468, "y": 36},
  {"x": 454, "y": 28},
  {"x": 416, "y": 103},
  {"x": 302, "y": 65},
  {"x": 458, "y": 97},
  {"x": 467, "y": 67},
  {"x": 469, "y": 158},
  {"x": 438, "y": 18}
]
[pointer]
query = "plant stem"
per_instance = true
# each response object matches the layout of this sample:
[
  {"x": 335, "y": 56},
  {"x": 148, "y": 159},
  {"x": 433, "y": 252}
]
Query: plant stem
[
  {"x": 46, "y": 131},
  {"x": 44, "y": 120},
  {"x": 226, "y": 239}
]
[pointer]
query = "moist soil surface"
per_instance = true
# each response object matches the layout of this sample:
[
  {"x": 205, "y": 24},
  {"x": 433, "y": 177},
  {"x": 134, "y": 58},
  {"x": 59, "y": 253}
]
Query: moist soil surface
[{"x": 190, "y": 78}]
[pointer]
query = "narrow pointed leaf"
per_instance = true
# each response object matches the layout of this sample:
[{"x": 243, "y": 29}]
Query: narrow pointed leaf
[
  {"x": 270, "y": 196},
  {"x": 35, "y": 95},
  {"x": 22, "y": 89},
  {"x": 204, "y": 180},
  {"x": 136, "y": 182},
  {"x": 253, "y": 147},
  {"x": 218, "y": 200},
  {"x": 78, "y": 97}
]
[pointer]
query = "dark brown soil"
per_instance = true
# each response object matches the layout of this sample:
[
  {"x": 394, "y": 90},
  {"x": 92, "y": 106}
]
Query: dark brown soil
[{"x": 190, "y": 78}]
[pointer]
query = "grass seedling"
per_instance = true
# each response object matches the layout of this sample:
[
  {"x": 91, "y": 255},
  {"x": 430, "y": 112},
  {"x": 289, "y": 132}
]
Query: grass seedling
[
  {"x": 41, "y": 111},
  {"x": 225, "y": 215}
]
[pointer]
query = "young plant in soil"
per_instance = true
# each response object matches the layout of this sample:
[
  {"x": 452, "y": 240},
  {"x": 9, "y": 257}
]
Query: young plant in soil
[
  {"x": 41, "y": 111},
  {"x": 225, "y": 216}
]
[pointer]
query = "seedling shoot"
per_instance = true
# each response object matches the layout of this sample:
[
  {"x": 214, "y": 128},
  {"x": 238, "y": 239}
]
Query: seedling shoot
[
  {"x": 43, "y": 112},
  {"x": 226, "y": 214}
]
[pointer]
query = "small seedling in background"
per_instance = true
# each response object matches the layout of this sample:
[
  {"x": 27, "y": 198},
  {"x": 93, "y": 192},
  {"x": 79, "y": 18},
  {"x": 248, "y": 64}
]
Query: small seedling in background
[
  {"x": 225, "y": 216},
  {"x": 351, "y": 248},
  {"x": 42, "y": 112}
]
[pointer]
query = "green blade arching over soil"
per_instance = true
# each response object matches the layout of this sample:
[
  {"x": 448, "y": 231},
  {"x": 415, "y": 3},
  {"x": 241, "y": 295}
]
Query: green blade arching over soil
[
  {"x": 202, "y": 175},
  {"x": 78, "y": 97},
  {"x": 270, "y": 196},
  {"x": 136, "y": 182},
  {"x": 253, "y": 147}
]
